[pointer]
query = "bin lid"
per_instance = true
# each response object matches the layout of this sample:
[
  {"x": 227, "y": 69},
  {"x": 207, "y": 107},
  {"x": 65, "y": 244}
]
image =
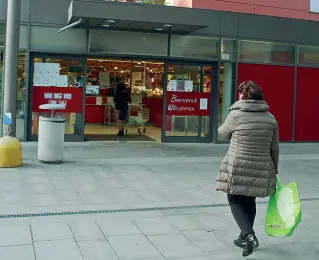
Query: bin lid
[
  {"x": 52, "y": 119},
  {"x": 52, "y": 106}
]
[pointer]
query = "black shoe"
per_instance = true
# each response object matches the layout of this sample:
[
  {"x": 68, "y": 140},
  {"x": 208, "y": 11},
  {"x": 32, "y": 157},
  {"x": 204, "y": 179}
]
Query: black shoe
[
  {"x": 251, "y": 243},
  {"x": 240, "y": 243},
  {"x": 120, "y": 133}
]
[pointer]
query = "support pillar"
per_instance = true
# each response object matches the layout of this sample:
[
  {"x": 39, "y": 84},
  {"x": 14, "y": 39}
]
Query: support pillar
[{"x": 11, "y": 62}]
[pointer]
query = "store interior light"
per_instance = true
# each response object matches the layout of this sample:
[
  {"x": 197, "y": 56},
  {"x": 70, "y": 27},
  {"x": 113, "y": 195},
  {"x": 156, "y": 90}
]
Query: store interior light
[
  {"x": 110, "y": 21},
  {"x": 168, "y": 25},
  {"x": 159, "y": 29},
  {"x": 115, "y": 68},
  {"x": 106, "y": 25}
]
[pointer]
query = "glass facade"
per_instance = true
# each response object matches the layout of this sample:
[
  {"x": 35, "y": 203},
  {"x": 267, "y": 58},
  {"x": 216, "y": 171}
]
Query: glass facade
[
  {"x": 105, "y": 43},
  {"x": 57, "y": 76},
  {"x": 180, "y": 75},
  {"x": 21, "y": 80},
  {"x": 193, "y": 47},
  {"x": 188, "y": 79},
  {"x": 228, "y": 50},
  {"x": 308, "y": 55},
  {"x": 266, "y": 52},
  {"x": 23, "y": 41},
  {"x": 119, "y": 42},
  {"x": 45, "y": 38}
]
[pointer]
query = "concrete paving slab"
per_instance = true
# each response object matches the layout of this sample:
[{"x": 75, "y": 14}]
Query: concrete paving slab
[
  {"x": 133, "y": 246},
  {"x": 183, "y": 223},
  {"x": 57, "y": 249},
  {"x": 15, "y": 235},
  {"x": 175, "y": 246},
  {"x": 51, "y": 231},
  {"x": 204, "y": 240},
  {"x": 97, "y": 250},
  {"x": 117, "y": 227},
  {"x": 86, "y": 230},
  {"x": 17, "y": 253},
  {"x": 155, "y": 226}
]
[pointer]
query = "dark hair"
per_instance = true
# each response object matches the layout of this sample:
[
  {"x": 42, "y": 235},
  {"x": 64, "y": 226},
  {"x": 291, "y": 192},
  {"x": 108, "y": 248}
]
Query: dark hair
[
  {"x": 120, "y": 88},
  {"x": 250, "y": 91}
]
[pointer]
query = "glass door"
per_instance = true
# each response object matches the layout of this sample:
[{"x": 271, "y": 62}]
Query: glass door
[
  {"x": 188, "y": 103},
  {"x": 58, "y": 80}
]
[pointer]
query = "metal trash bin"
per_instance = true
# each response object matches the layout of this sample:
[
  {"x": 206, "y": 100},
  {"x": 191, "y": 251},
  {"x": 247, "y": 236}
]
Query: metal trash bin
[{"x": 51, "y": 136}]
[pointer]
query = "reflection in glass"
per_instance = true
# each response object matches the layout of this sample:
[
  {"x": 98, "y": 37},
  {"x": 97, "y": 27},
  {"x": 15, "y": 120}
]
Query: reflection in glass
[
  {"x": 144, "y": 81},
  {"x": 266, "y": 52},
  {"x": 308, "y": 55},
  {"x": 61, "y": 73},
  {"x": 193, "y": 46},
  {"x": 21, "y": 91},
  {"x": 121, "y": 42},
  {"x": 46, "y": 38},
  {"x": 185, "y": 78},
  {"x": 228, "y": 49}
]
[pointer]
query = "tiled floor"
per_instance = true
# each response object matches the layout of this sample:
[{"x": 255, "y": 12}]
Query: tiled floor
[
  {"x": 133, "y": 175},
  {"x": 149, "y": 236},
  {"x": 151, "y": 131},
  {"x": 146, "y": 175}
]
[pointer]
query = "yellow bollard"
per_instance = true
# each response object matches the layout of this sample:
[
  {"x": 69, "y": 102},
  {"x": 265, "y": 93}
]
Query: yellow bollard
[{"x": 10, "y": 152}]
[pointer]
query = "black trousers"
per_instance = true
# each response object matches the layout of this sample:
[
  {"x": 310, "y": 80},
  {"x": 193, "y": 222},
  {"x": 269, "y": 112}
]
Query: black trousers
[{"x": 244, "y": 212}]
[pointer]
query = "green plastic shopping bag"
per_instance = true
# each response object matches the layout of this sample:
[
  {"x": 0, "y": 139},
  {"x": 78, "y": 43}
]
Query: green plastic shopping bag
[{"x": 284, "y": 211}]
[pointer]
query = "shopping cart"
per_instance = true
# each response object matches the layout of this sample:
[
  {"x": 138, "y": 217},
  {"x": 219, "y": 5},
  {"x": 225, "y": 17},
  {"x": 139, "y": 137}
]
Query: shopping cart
[{"x": 138, "y": 116}]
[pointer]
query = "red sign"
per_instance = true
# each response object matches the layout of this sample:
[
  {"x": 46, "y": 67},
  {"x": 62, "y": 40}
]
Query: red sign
[
  {"x": 72, "y": 97},
  {"x": 188, "y": 103}
]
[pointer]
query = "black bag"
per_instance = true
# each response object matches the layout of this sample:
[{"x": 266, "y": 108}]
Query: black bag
[{"x": 123, "y": 114}]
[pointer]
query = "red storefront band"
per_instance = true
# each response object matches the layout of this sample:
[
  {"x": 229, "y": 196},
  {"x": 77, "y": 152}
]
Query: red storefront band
[{"x": 72, "y": 97}]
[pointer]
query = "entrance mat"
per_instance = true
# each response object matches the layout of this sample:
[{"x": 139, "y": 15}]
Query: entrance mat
[
  {"x": 133, "y": 210},
  {"x": 112, "y": 138}
]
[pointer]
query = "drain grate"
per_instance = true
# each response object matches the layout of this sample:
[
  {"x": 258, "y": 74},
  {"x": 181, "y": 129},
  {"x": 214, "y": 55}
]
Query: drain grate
[{"x": 113, "y": 211}]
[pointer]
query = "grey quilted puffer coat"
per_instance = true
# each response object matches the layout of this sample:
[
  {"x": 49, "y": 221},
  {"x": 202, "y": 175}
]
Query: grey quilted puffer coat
[{"x": 251, "y": 163}]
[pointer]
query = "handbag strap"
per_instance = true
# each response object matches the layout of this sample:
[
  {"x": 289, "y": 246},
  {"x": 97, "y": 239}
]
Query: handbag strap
[{"x": 278, "y": 183}]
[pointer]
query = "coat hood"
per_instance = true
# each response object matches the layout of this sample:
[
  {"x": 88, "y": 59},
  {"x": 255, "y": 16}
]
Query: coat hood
[{"x": 250, "y": 106}]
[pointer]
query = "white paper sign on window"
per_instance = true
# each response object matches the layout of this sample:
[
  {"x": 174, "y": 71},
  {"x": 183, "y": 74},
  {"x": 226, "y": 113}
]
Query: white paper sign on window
[{"x": 314, "y": 6}]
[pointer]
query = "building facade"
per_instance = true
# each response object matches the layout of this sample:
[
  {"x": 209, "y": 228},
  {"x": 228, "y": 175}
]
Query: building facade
[
  {"x": 206, "y": 50},
  {"x": 298, "y": 9}
]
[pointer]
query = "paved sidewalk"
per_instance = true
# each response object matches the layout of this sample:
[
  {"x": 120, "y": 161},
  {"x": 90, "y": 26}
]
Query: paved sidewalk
[{"x": 142, "y": 201}]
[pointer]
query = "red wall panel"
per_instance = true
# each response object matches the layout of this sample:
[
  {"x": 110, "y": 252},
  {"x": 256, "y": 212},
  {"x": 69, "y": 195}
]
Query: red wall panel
[
  {"x": 277, "y": 83},
  {"x": 307, "y": 108},
  {"x": 287, "y": 4},
  {"x": 281, "y": 12},
  {"x": 299, "y": 9}
]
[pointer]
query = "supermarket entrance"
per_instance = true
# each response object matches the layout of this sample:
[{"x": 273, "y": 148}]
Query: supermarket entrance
[
  {"x": 144, "y": 81},
  {"x": 172, "y": 101}
]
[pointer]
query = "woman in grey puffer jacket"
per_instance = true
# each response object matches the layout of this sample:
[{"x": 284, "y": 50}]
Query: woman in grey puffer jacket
[{"x": 250, "y": 166}]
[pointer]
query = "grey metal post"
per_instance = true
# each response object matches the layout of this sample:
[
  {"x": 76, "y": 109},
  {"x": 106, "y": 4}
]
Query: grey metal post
[{"x": 11, "y": 61}]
